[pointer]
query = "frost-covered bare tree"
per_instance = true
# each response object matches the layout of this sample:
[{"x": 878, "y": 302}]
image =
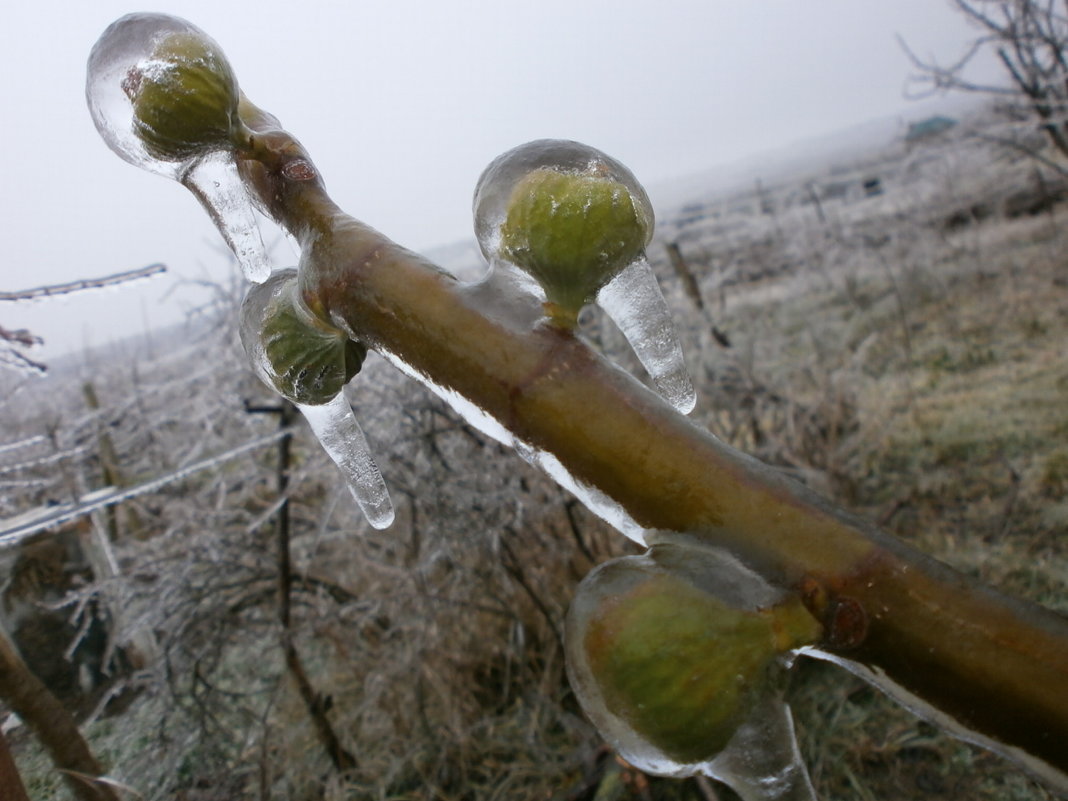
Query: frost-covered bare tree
[{"x": 1030, "y": 40}]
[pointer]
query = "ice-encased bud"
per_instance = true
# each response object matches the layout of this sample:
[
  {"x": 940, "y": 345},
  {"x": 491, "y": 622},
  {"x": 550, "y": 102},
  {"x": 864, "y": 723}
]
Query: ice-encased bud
[
  {"x": 160, "y": 92},
  {"x": 578, "y": 221},
  {"x": 294, "y": 351},
  {"x": 573, "y": 233},
  {"x": 308, "y": 362},
  {"x": 163, "y": 97},
  {"x": 669, "y": 653},
  {"x": 567, "y": 214},
  {"x": 184, "y": 98}
]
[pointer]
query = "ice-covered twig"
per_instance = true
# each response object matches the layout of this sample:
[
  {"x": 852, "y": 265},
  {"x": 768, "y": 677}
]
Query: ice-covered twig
[
  {"x": 883, "y": 603},
  {"x": 84, "y": 284}
]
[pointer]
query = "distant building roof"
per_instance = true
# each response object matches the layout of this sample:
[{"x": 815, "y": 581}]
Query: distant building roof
[{"x": 930, "y": 127}]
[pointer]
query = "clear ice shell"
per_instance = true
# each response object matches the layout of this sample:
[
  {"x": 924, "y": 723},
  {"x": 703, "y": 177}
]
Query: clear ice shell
[
  {"x": 333, "y": 423},
  {"x": 498, "y": 180},
  {"x": 506, "y": 295},
  {"x": 761, "y": 762},
  {"x": 877, "y": 677},
  {"x": 129, "y": 43},
  {"x": 634, "y": 302},
  {"x": 609, "y": 510},
  {"x": 341, "y": 436}
]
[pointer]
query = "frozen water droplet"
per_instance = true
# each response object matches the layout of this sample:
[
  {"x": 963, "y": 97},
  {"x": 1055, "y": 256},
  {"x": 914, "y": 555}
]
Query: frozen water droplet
[
  {"x": 164, "y": 98},
  {"x": 341, "y": 436},
  {"x": 214, "y": 179},
  {"x": 634, "y": 302}
]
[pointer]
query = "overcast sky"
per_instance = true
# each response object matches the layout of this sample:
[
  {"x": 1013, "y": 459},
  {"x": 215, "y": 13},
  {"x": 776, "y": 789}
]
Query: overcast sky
[{"x": 402, "y": 104}]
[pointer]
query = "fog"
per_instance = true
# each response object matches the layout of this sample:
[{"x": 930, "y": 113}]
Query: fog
[{"x": 403, "y": 104}]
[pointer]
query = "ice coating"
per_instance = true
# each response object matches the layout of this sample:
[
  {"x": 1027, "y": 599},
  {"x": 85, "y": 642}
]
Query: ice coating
[
  {"x": 634, "y": 302},
  {"x": 1038, "y": 768},
  {"x": 341, "y": 436},
  {"x": 332, "y": 422},
  {"x": 596, "y": 501},
  {"x": 127, "y": 45},
  {"x": 128, "y": 50},
  {"x": 507, "y": 295},
  {"x": 752, "y": 748},
  {"x": 472, "y": 414},
  {"x": 762, "y": 761}
]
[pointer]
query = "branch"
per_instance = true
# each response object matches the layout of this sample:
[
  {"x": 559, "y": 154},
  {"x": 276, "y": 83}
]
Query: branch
[
  {"x": 1030, "y": 152},
  {"x": 53, "y": 726},
  {"x": 949, "y": 78},
  {"x": 989, "y": 668}
]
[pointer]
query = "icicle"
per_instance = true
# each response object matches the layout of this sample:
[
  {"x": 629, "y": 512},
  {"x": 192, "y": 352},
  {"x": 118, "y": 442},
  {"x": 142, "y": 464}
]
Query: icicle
[
  {"x": 214, "y": 180},
  {"x": 762, "y": 761},
  {"x": 634, "y": 302},
  {"x": 164, "y": 98},
  {"x": 341, "y": 436}
]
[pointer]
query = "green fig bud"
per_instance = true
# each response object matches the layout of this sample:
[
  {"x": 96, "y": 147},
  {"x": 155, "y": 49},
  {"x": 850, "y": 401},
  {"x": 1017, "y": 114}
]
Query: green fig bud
[
  {"x": 304, "y": 358},
  {"x": 668, "y": 669},
  {"x": 573, "y": 232},
  {"x": 184, "y": 97}
]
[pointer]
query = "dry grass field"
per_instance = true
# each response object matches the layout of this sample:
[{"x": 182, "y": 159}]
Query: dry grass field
[{"x": 905, "y": 352}]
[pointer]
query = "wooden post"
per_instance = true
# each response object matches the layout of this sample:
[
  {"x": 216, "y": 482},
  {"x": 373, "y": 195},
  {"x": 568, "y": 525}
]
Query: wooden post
[{"x": 316, "y": 704}]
